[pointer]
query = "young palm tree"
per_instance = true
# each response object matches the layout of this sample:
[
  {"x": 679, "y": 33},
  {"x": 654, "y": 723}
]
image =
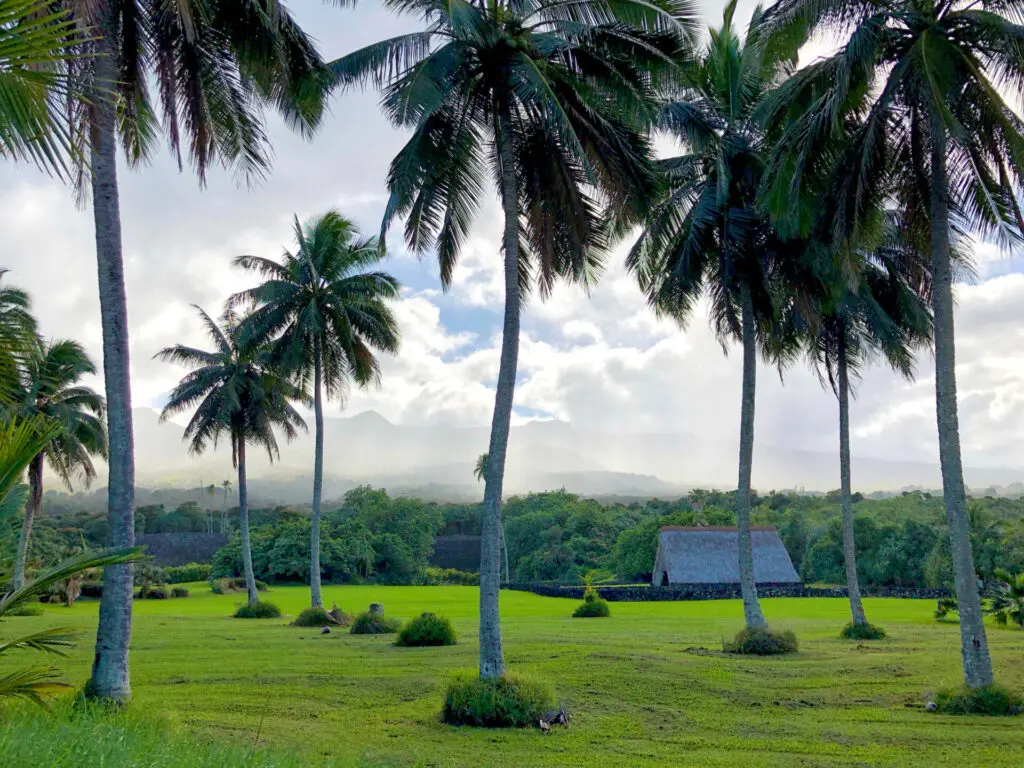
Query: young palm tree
[
  {"x": 215, "y": 66},
  {"x": 236, "y": 393},
  {"x": 881, "y": 315},
  {"x": 548, "y": 100},
  {"x": 926, "y": 78},
  {"x": 50, "y": 388},
  {"x": 325, "y": 318},
  {"x": 707, "y": 236}
]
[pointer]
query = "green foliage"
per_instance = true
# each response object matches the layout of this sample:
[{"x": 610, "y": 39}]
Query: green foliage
[
  {"x": 183, "y": 574},
  {"x": 593, "y": 608},
  {"x": 157, "y": 592},
  {"x": 1006, "y": 598},
  {"x": 438, "y": 577},
  {"x": 862, "y": 632},
  {"x": 180, "y": 592},
  {"x": 26, "y": 609},
  {"x": 993, "y": 700},
  {"x": 258, "y": 610},
  {"x": 227, "y": 586},
  {"x": 426, "y": 629},
  {"x": 507, "y": 702},
  {"x": 762, "y": 642},
  {"x": 374, "y": 624},
  {"x": 313, "y": 617},
  {"x": 946, "y": 606}
]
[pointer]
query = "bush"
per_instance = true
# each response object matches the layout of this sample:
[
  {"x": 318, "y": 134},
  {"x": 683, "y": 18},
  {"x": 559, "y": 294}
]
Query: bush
[
  {"x": 426, "y": 630},
  {"x": 507, "y": 702},
  {"x": 26, "y": 609},
  {"x": 259, "y": 610},
  {"x": 232, "y": 584},
  {"x": 862, "y": 632},
  {"x": 159, "y": 592},
  {"x": 179, "y": 592},
  {"x": 180, "y": 574},
  {"x": 991, "y": 700},
  {"x": 437, "y": 577},
  {"x": 374, "y": 624},
  {"x": 592, "y": 609},
  {"x": 761, "y": 642},
  {"x": 92, "y": 589},
  {"x": 313, "y": 617}
]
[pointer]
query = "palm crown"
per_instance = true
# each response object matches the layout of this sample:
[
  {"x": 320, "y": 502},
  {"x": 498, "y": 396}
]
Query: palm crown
[
  {"x": 234, "y": 391},
  {"x": 566, "y": 86},
  {"x": 317, "y": 301}
]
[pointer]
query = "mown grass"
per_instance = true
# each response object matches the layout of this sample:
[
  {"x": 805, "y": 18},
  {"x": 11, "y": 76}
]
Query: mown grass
[{"x": 648, "y": 686}]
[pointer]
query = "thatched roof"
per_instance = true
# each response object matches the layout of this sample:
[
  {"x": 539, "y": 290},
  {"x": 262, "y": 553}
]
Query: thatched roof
[{"x": 711, "y": 556}]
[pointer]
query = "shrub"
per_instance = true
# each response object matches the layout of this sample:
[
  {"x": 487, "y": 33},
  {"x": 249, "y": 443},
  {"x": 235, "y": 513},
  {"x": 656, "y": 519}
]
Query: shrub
[
  {"x": 437, "y": 577},
  {"x": 313, "y": 617},
  {"x": 92, "y": 589},
  {"x": 761, "y": 642},
  {"x": 258, "y": 610},
  {"x": 159, "y": 592},
  {"x": 180, "y": 574},
  {"x": 179, "y": 592},
  {"x": 862, "y": 632},
  {"x": 232, "y": 584},
  {"x": 946, "y": 606},
  {"x": 426, "y": 630},
  {"x": 26, "y": 609},
  {"x": 505, "y": 702},
  {"x": 593, "y": 608},
  {"x": 374, "y": 624},
  {"x": 991, "y": 700}
]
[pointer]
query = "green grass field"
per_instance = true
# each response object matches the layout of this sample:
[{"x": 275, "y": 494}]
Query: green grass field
[{"x": 645, "y": 687}]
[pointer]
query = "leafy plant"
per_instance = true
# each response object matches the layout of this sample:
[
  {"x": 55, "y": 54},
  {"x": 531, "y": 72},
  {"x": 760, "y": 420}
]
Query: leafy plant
[
  {"x": 374, "y": 624},
  {"x": 427, "y": 629},
  {"x": 180, "y": 574},
  {"x": 179, "y": 592},
  {"x": 946, "y": 606},
  {"x": 853, "y": 631},
  {"x": 1006, "y": 598},
  {"x": 503, "y": 702},
  {"x": 592, "y": 609},
  {"x": 762, "y": 642},
  {"x": 261, "y": 609},
  {"x": 989, "y": 700}
]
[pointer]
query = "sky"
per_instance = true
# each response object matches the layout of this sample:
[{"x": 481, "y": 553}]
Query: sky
[{"x": 602, "y": 361}]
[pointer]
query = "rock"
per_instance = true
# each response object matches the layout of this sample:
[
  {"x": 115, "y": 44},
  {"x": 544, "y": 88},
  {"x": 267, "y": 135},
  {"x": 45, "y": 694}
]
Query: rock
[
  {"x": 377, "y": 609},
  {"x": 931, "y": 706},
  {"x": 325, "y": 630}
]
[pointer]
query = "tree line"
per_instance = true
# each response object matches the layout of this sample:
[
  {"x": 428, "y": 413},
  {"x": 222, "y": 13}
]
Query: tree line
[{"x": 820, "y": 211}]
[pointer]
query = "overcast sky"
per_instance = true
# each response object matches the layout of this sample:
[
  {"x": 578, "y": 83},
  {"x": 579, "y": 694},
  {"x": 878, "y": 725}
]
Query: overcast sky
[{"x": 601, "y": 361}]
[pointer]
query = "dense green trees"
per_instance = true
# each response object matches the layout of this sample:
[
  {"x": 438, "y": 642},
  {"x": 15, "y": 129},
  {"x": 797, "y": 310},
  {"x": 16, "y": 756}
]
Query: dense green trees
[{"x": 323, "y": 318}]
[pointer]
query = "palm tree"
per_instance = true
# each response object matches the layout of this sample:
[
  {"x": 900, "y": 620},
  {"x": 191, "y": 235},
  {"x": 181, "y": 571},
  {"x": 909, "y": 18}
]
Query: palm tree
[
  {"x": 17, "y": 338},
  {"x": 226, "y": 485},
  {"x": 549, "y": 101},
  {"x": 939, "y": 139},
  {"x": 480, "y": 472},
  {"x": 50, "y": 388},
  {"x": 35, "y": 45},
  {"x": 235, "y": 393},
  {"x": 880, "y": 314},
  {"x": 325, "y": 318},
  {"x": 707, "y": 236},
  {"x": 216, "y": 66}
]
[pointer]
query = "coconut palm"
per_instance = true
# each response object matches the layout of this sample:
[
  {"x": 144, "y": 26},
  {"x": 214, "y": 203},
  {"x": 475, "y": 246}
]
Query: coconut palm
[
  {"x": 548, "y": 101},
  {"x": 707, "y": 236},
  {"x": 226, "y": 485},
  {"x": 1007, "y": 597},
  {"x": 480, "y": 472},
  {"x": 17, "y": 337},
  {"x": 937, "y": 136},
  {"x": 236, "y": 393},
  {"x": 326, "y": 318},
  {"x": 215, "y": 67},
  {"x": 880, "y": 314},
  {"x": 50, "y": 388}
]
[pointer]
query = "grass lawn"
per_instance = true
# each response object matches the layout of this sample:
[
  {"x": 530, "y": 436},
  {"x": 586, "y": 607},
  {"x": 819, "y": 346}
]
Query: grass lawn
[{"x": 645, "y": 687}]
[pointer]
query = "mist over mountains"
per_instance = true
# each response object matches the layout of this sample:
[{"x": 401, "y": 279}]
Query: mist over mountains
[{"x": 437, "y": 462}]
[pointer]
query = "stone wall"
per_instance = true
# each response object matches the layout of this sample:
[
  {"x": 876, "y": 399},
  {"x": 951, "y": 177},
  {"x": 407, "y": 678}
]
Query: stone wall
[{"x": 639, "y": 593}]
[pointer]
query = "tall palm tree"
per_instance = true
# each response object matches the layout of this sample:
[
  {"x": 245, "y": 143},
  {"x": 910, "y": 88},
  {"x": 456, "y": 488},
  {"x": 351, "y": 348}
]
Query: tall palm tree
[
  {"x": 236, "y": 393},
  {"x": 480, "y": 472},
  {"x": 215, "y": 67},
  {"x": 548, "y": 101},
  {"x": 881, "y": 314},
  {"x": 17, "y": 338},
  {"x": 938, "y": 137},
  {"x": 50, "y": 388},
  {"x": 325, "y": 318},
  {"x": 707, "y": 235},
  {"x": 226, "y": 485}
]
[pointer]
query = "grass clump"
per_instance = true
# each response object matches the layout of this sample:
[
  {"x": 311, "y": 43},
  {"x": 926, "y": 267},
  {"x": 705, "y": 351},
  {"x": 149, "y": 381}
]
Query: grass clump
[
  {"x": 761, "y": 642},
  {"x": 992, "y": 700},
  {"x": 426, "y": 630},
  {"x": 505, "y": 702},
  {"x": 258, "y": 610},
  {"x": 374, "y": 624},
  {"x": 862, "y": 632},
  {"x": 589, "y": 609},
  {"x": 313, "y": 617},
  {"x": 180, "y": 592},
  {"x": 26, "y": 609}
]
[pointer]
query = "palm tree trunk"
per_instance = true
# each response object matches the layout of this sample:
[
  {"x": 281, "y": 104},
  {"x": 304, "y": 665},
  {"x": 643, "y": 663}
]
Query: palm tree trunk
[
  {"x": 846, "y": 498},
  {"x": 110, "y": 670},
  {"x": 35, "y": 502},
  {"x": 974, "y": 644},
  {"x": 492, "y": 658},
  {"x": 316, "y": 597},
  {"x": 243, "y": 515},
  {"x": 748, "y": 586}
]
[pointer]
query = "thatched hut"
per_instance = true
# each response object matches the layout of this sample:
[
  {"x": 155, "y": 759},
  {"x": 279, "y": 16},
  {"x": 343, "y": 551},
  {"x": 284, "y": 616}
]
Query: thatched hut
[{"x": 710, "y": 555}]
